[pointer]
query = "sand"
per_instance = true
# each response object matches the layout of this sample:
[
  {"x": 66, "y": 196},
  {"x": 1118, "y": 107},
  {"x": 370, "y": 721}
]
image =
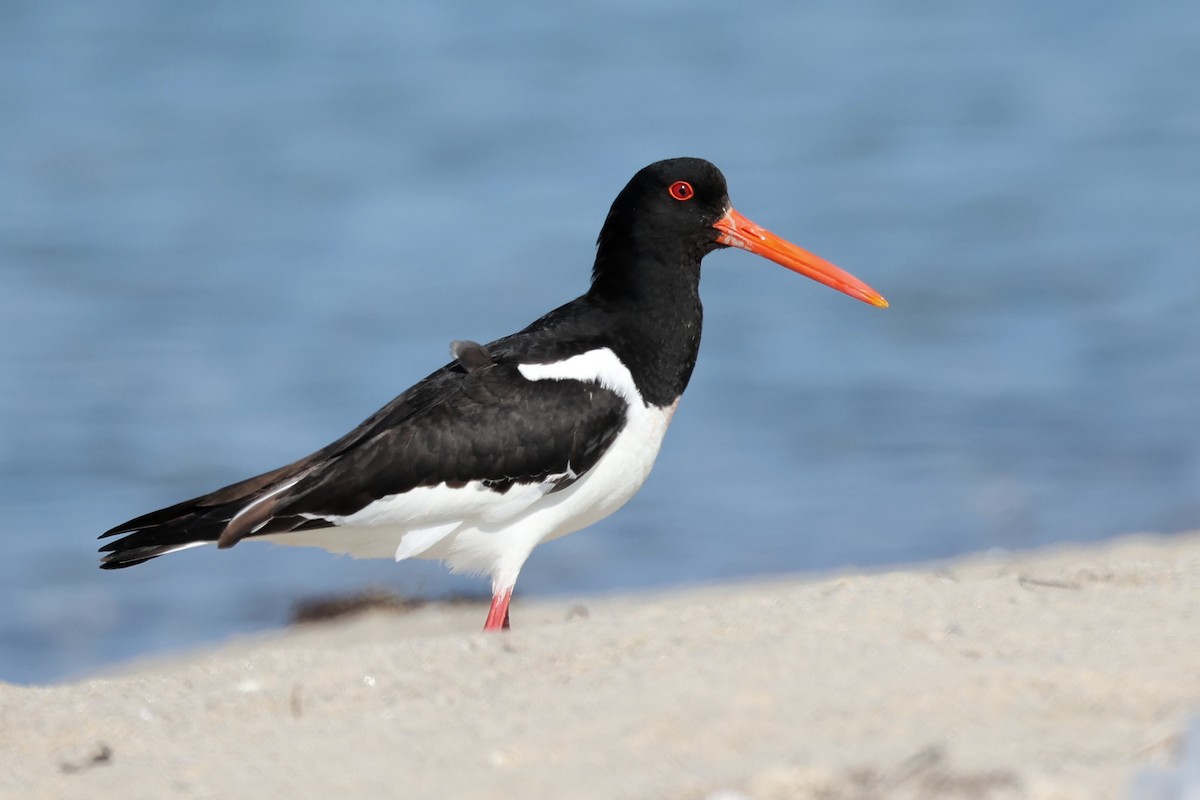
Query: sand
[{"x": 1033, "y": 675}]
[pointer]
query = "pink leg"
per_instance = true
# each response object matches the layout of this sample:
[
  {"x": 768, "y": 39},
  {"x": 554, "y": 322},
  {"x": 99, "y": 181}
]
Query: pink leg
[{"x": 497, "y": 618}]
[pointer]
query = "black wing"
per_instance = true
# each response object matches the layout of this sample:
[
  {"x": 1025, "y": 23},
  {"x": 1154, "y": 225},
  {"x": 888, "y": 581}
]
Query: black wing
[
  {"x": 488, "y": 424},
  {"x": 494, "y": 426}
]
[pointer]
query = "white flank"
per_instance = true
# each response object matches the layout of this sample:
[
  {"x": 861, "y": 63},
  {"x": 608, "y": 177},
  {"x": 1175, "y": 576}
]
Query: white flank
[
  {"x": 475, "y": 529},
  {"x": 418, "y": 540}
]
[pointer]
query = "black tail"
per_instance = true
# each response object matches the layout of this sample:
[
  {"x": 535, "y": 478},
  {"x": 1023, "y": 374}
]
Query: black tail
[
  {"x": 187, "y": 524},
  {"x": 166, "y": 530}
]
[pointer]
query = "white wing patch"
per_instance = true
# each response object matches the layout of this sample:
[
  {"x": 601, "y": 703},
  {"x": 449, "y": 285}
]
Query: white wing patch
[
  {"x": 601, "y": 366},
  {"x": 257, "y": 501}
]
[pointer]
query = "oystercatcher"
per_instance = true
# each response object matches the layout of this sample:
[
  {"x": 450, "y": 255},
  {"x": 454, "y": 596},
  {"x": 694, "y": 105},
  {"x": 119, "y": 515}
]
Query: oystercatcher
[{"x": 525, "y": 439}]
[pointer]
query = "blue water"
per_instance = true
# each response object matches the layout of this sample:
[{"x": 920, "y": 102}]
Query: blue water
[{"x": 229, "y": 231}]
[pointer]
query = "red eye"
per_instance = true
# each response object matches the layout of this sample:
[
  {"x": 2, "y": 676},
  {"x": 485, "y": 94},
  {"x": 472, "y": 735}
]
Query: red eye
[{"x": 682, "y": 190}]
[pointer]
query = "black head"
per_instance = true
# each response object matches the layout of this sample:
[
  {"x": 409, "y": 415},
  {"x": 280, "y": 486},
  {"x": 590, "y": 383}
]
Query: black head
[
  {"x": 675, "y": 212},
  {"x": 665, "y": 214}
]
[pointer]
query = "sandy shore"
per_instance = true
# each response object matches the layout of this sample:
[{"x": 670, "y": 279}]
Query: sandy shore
[{"x": 1040, "y": 675}]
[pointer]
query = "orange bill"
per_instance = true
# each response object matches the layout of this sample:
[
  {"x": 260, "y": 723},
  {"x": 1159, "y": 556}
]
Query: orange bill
[{"x": 737, "y": 231}]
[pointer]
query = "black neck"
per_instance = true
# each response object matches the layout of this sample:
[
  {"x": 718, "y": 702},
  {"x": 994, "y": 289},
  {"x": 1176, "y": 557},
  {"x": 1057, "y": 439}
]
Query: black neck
[{"x": 654, "y": 297}]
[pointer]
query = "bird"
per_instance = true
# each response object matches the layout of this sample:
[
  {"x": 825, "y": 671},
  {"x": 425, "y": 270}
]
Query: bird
[{"x": 521, "y": 440}]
